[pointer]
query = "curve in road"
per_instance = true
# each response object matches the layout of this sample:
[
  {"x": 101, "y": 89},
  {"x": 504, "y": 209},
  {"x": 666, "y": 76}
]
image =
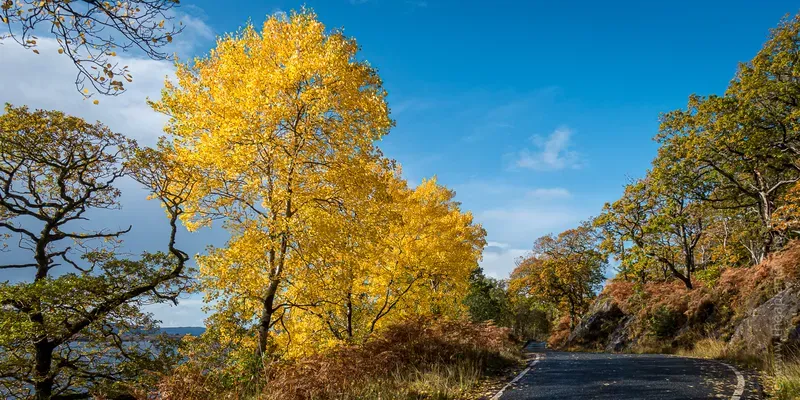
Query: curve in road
[{"x": 603, "y": 376}]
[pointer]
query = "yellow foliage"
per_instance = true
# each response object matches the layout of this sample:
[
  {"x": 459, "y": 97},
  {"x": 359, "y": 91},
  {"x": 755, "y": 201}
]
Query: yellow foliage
[{"x": 327, "y": 241}]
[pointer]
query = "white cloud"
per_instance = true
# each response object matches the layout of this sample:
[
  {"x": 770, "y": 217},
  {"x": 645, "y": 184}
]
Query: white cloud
[
  {"x": 521, "y": 225},
  {"x": 548, "y": 194},
  {"x": 520, "y": 194},
  {"x": 195, "y": 33},
  {"x": 551, "y": 153},
  {"x": 514, "y": 216},
  {"x": 46, "y": 81},
  {"x": 188, "y": 312},
  {"x": 499, "y": 259}
]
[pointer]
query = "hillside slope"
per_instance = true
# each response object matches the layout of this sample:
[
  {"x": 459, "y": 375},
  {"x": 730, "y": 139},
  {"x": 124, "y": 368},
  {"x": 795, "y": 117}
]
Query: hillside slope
[{"x": 753, "y": 311}]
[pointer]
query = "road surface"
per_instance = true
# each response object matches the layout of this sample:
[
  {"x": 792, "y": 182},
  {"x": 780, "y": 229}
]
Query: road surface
[{"x": 603, "y": 376}]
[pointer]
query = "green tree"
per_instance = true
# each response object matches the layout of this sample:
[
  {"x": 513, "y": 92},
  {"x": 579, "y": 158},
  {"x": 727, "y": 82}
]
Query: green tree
[
  {"x": 656, "y": 224},
  {"x": 487, "y": 299},
  {"x": 490, "y": 299},
  {"x": 64, "y": 329},
  {"x": 746, "y": 143}
]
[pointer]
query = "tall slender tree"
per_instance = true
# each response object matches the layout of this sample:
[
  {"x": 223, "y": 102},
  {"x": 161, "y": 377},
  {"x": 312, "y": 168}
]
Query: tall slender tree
[{"x": 271, "y": 118}]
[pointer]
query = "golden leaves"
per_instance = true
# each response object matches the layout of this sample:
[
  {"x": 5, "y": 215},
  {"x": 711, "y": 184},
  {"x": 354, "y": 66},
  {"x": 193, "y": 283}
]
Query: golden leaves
[{"x": 281, "y": 125}]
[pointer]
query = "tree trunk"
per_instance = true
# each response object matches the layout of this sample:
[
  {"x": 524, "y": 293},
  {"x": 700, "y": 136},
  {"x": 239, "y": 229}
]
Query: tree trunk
[
  {"x": 265, "y": 322},
  {"x": 350, "y": 316},
  {"x": 768, "y": 243},
  {"x": 689, "y": 268},
  {"x": 687, "y": 280},
  {"x": 572, "y": 313},
  {"x": 43, "y": 387}
]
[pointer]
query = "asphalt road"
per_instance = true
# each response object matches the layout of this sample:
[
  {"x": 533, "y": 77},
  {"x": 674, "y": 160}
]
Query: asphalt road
[{"x": 559, "y": 375}]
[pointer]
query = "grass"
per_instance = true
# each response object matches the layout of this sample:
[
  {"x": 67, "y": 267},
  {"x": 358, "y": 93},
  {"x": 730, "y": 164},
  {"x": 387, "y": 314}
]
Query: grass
[
  {"x": 443, "y": 381},
  {"x": 709, "y": 348},
  {"x": 436, "y": 381},
  {"x": 786, "y": 381}
]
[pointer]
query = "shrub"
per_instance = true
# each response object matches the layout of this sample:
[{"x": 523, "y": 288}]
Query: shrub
[
  {"x": 558, "y": 337},
  {"x": 417, "y": 346},
  {"x": 664, "y": 322}
]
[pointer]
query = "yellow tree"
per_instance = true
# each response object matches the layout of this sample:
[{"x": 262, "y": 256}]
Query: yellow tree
[
  {"x": 405, "y": 252},
  {"x": 271, "y": 118}
]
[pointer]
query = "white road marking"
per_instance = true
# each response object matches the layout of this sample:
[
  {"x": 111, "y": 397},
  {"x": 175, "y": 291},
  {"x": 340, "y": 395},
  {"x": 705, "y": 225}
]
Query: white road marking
[
  {"x": 737, "y": 394},
  {"x": 517, "y": 378}
]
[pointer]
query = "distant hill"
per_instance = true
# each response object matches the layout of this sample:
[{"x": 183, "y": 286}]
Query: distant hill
[{"x": 183, "y": 330}]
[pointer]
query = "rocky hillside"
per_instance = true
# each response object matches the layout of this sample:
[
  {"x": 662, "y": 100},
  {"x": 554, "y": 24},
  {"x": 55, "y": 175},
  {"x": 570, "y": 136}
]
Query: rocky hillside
[{"x": 753, "y": 310}]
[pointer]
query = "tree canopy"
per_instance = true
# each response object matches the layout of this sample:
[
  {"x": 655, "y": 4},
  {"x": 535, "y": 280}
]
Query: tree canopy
[
  {"x": 66, "y": 328},
  {"x": 564, "y": 270}
]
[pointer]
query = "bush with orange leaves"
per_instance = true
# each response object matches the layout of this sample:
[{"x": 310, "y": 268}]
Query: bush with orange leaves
[
  {"x": 560, "y": 333},
  {"x": 750, "y": 287},
  {"x": 661, "y": 309},
  {"x": 386, "y": 360}
]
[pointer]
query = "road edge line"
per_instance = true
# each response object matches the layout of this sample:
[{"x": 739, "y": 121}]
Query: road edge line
[
  {"x": 518, "y": 377},
  {"x": 740, "y": 382}
]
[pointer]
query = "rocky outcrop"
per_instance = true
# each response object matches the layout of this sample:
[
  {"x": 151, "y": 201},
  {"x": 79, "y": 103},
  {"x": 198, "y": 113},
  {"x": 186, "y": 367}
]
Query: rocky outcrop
[
  {"x": 755, "y": 310},
  {"x": 773, "y": 322},
  {"x": 621, "y": 338},
  {"x": 603, "y": 326}
]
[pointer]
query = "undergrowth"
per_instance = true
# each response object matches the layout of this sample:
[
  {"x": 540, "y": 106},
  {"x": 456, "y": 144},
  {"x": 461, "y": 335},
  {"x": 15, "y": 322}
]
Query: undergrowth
[
  {"x": 710, "y": 348},
  {"x": 416, "y": 359}
]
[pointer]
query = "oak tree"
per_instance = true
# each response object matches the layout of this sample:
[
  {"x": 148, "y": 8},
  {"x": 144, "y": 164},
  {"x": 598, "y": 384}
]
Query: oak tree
[
  {"x": 564, "y": 270},
  {"x": 65, "y": 327},
  {"x": 746, "y": 142}
]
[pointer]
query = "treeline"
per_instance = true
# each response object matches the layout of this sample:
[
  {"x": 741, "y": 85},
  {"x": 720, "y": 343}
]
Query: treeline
[
  {"x": 722, "y": 193},
  {"x": 272, "y": 138}
]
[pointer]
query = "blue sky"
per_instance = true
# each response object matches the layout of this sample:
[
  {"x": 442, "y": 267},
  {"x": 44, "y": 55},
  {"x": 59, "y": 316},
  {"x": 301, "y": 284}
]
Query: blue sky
[{"x": 536, "y": 113}]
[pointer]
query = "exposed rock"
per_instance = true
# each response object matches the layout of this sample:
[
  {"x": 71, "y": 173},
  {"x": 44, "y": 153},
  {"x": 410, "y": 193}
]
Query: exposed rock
[
  {"x": 772, "y": 322},
  {"x": 602, "y": 322},
  {"x": 620, "y": 338}
]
